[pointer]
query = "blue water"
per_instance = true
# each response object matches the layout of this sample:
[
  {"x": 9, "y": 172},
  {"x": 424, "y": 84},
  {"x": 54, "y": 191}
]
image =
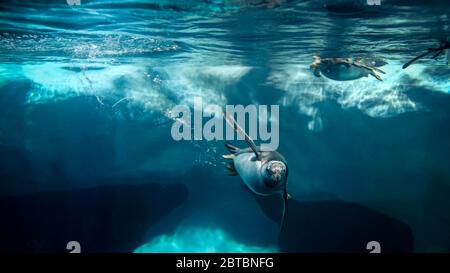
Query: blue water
[{"x": 85, "y": 92}]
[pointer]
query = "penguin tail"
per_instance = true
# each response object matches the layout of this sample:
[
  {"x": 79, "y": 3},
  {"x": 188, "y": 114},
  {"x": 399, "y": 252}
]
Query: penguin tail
[
  {"x": 232, "y": 149},
  {"x": 231, "y": 170}
]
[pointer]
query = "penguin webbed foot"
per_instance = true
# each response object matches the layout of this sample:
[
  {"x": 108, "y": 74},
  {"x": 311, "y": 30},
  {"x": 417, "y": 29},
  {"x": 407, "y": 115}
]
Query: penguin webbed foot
[
  {"x": 378, "y": 70},
  {"x": 228, "y": 157}
]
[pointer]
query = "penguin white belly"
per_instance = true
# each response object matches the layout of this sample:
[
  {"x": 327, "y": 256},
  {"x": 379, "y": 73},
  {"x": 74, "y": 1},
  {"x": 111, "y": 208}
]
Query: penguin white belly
[
  {"x": 249, "y": 170},
  {"x": 342, "y": 72}
]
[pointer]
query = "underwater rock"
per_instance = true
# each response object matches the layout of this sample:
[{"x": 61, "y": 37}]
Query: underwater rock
[
  {"x": 102, "y": 219},
  {"x": 336, "y": 226}
]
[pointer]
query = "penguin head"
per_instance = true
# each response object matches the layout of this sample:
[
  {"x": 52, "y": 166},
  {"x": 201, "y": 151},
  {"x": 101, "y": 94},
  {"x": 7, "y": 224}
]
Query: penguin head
[{"x": 274, "y": 173}]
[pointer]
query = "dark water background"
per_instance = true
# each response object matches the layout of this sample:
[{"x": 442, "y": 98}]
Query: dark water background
[{"x": 86, "y": 152}]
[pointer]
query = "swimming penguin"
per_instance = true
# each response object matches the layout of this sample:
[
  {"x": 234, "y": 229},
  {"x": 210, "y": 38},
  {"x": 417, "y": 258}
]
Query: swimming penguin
[
  {"x": 444, "y": 46},
  {"x": 371, "y": 61},
  {"x": 262, "y": 170},
  {"x": 343, "y": 69}
]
